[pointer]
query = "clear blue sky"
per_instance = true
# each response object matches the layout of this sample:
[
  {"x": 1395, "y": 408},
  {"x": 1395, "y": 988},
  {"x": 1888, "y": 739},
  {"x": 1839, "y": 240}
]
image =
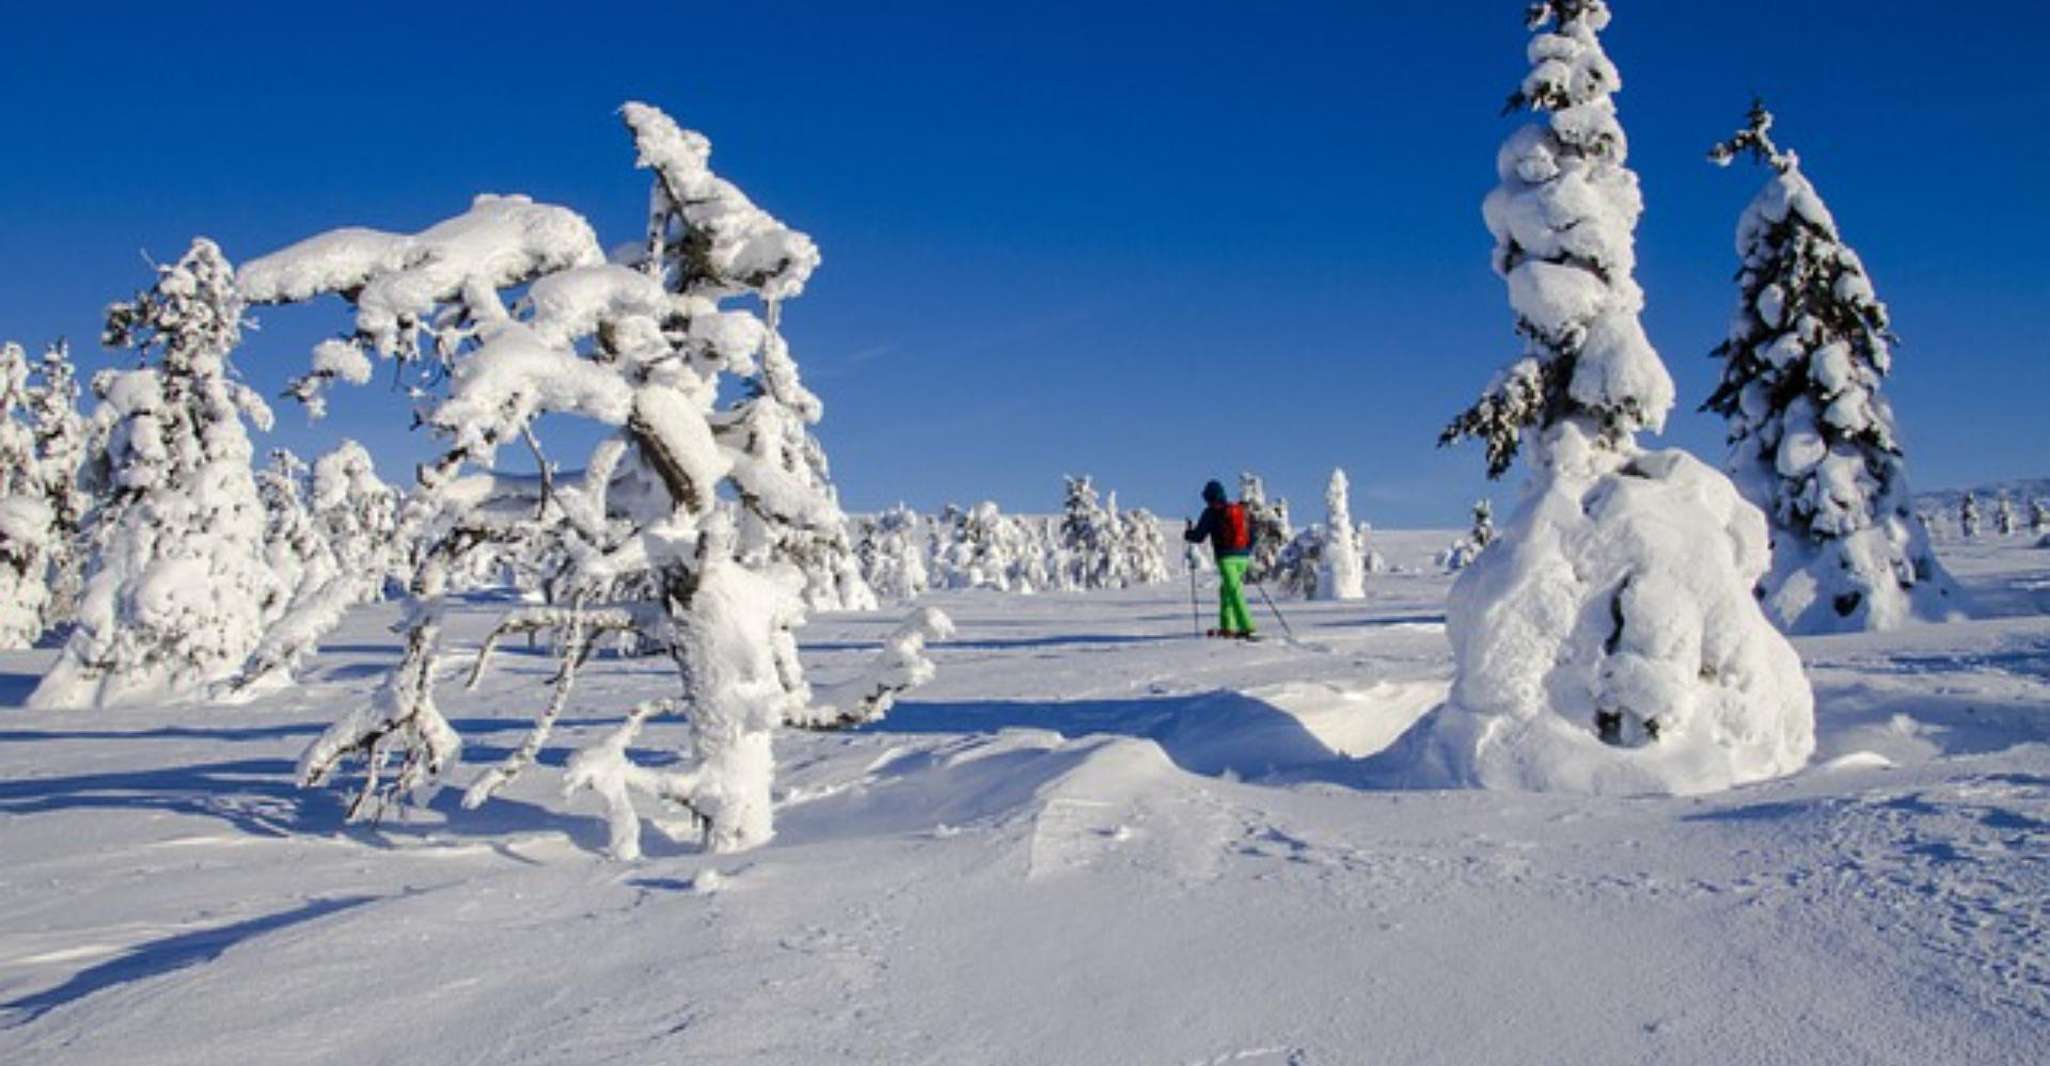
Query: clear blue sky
[{"x": 1156, "y": 243}]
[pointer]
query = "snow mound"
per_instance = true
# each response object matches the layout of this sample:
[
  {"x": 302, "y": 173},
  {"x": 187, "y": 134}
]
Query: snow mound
[
  {"x": 1618, "y": 602},
  {"x": 1354, "y": 722}
]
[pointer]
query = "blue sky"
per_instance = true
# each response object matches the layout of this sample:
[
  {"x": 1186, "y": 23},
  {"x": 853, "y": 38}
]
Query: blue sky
[{"x": 1156, "y": 243}]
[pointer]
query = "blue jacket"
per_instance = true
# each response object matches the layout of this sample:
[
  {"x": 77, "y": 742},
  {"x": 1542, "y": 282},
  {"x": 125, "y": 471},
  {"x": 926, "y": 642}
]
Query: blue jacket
[{"x": 1211, "y": 528}]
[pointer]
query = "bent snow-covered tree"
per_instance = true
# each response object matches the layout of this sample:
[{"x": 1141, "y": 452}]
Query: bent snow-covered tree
[
  {"x": 179, "y": 590},
  {"x": 1615, "y": 605},
  {"x": 1812, "y": 440},
  {"x": 696, "y": 503}
]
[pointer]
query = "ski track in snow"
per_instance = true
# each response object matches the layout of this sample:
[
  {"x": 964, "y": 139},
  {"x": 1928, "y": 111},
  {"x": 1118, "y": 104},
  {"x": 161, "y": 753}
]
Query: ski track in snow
[{"x": 1095, "y": 839}]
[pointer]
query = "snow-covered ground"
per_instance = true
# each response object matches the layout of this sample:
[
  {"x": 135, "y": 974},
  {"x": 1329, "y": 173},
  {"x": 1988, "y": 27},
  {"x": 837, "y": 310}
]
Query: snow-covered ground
[{"x": 1095, "y": 839}]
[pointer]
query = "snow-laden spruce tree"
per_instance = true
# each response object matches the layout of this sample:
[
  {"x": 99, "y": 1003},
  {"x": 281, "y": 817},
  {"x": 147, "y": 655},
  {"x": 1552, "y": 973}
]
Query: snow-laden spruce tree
[
  {"x": 358, "y": 513},
  {"x": 28, "y": 525},
  {"x": 1299, "y": 571},
  {"x": 986, "y": 548},
  {"x": 1341, "y": 572},
  {"x": 2006, "y": 521},
  {"x": 59, "y": 453},
  {"x": 333, "y": 540},
  {"x": 1272, "y": 531},
  {"x": 1970, "y": 521},
  {"x": 892, "y": 551},
  {"x": 1812, "y": 439},
  {"x": 1037, "y": 539},
  {"x": 2039, "y": 516},
  {"x": 1616, "y": 603},
  {"x": 677, "y": 498},
  {"x": 295, "y": 546},
  {"x": 179, "y": 589},
  {"x": 1143, "y": 548},
  {"x": 1089, "y": 537},
  {"x": 1483, "y": 532}
]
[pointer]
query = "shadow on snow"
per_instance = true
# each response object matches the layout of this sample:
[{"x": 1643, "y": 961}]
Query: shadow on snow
[{"x": 171, "y": 953}]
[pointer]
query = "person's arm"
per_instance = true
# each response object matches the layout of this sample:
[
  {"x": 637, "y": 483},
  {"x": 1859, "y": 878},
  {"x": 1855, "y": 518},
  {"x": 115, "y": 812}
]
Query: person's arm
[{"x": 1201, "y": 531}]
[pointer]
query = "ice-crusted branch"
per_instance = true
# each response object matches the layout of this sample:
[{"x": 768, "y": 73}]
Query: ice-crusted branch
[
  {"x": 1756, "y": 139},
  {"x": 401, "y": 721},
  {"x": 579, "y": 630},
  {"x": 606, "y": 769},
  {"x": 901, "y": 667}
]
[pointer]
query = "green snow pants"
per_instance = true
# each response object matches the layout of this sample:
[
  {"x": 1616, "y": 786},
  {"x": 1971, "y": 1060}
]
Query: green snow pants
[{"x": 1232, "y": 615}]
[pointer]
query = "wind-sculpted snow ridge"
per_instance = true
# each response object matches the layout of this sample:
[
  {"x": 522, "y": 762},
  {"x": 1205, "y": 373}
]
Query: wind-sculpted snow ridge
[{"x": 1624, "y": 595}]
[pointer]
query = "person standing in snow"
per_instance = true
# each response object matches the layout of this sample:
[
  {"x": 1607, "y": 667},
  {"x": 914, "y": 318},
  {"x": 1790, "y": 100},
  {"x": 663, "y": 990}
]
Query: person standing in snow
[{"x": 1230, "y": 533}]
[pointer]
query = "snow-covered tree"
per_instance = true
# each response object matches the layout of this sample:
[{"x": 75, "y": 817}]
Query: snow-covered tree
[
  {"x": 1341, "y": 573},
  {"x": 60, "y": 433},
  {"x": 892, "y": 551},
  {"x": 1812, "y": 439},
  {"x": 334, "y": 542},
  {"x": 179, "y": 589},
  {"x": 1483, "y": 533},
  {"x": 358, "y": 513},
  {"x": 1143, "y": 548},
  {"x": 985, "y": 548},
  {"x": 1089, "y": 538},
  {"x": 2006, "y": 521},
  {"x": 28, "y": 525},
  {"x": 295, "y": 546},
  {"x": 1462, "y": 552},
  {"x": 1615, "y": 605},
  {"x": 1969, "y": 519},
  {"x": 1272, "y": 532},
  {"x": 679, "y": 496},
  {"x": 1299, "y": 571},
  {"x": 2039, "y": 516}
]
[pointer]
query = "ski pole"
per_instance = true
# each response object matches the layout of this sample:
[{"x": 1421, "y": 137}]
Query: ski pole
[
  {"x": 1283, "y": 619},
  {"x": 1195, "y": 612}
]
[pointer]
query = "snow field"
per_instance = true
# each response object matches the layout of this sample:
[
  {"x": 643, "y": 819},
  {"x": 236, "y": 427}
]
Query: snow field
[{"x": 1092, "y": 839}]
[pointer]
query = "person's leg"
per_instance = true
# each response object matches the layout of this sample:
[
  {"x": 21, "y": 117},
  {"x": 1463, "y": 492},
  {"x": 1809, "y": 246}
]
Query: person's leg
[
  {"x": 1232, "y": 616},
  {"x": 1227, "y": 584},
  {"x": 1242, "y": 614}
]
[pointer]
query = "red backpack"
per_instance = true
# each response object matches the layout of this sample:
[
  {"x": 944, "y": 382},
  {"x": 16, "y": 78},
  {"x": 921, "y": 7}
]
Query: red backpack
[{"x": 1235, "y": 532}]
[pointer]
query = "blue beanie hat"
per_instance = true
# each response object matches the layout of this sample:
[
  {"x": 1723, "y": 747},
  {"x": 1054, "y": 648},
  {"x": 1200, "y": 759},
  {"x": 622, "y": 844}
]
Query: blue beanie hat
[{"x": 1213, "y": 493}]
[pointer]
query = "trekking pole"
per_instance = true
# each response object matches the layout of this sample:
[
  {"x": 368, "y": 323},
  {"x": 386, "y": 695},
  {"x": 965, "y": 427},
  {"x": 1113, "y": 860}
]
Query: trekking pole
[
  {"x": 1283, "y": 619},
  {"x": 1195, "y": 612}
]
